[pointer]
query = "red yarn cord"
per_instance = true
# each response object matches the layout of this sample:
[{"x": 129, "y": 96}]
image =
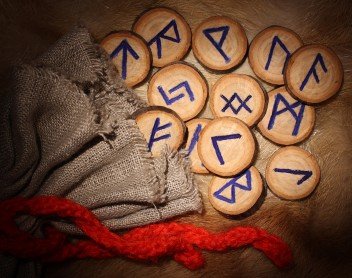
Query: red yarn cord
[{"x": 148, "y": 243}]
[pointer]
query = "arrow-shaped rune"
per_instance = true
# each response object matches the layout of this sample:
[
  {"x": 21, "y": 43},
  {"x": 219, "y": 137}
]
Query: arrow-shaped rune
[
  {"x": 216, "y": 139},
  {"x": 125, "y": 47},
  {"x": 306, "y": 174}
]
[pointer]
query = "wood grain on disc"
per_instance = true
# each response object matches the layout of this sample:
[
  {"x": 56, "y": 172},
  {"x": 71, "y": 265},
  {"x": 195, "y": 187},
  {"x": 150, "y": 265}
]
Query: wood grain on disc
[
  {"x": 179, "y": 87},
  {"x": 194, "y": 128},
  {"x": 160, "y": 126},
  {"x": 219, "y": 43},
  {"x": 236, "y": 195},
  {"x": 239, "y": 96},
  {"x": 314, "y": 73},
  {"x": 167, "y": 33},
  {"x": 130, "y": 54},
  {"x": 226, "y": 146},
  {"x": 270, "y": 50},
  {"x": 287, "y": 121},
  {"x": 292, "y": 173}
]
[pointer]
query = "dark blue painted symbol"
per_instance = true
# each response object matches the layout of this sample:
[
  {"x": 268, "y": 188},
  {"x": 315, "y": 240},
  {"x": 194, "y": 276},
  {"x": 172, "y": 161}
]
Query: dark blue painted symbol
[
  {"x": 233, "y": 183},
  {"x": 306, "y": 174},
  {"x": 243, "y": 103},
  {"x": 162, "y": 35},
  {"x": 276, "y": 40},
  {"x": 157, "y": 127},
  {"x": 290, "y": 108},
  {"x": 170, "y": 101},
  {"x": 126, "y": 48},
  {"x": 218, "y": 45},
  {"x": 216, "y": 139},
  {"x": 313, "y": 70},
  {"x": 194, "y": 139}
]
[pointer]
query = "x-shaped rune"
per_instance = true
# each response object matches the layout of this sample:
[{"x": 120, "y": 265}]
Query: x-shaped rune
[{"x": 243, "y": 103}]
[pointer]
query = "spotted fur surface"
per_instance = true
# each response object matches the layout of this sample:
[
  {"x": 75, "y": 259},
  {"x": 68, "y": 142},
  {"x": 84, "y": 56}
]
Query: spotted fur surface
[{"x": 319, "y": 228}]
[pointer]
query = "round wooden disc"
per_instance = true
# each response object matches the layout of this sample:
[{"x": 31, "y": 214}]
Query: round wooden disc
[
  {"x": 314, "y": 73},
  {"x": 269, "y": 51},
  {"x": 179, "y": 87},
  {"x": 226, "y": 146},
  {"x": 286, "y": 121},
  {"x": 239, "y": 96},
  {"x": 167, "y": 33},
  {"x": 194, "y": 128},
  {"x": 160, "y": 126},
  {"x": 292, "y": 173},
  {"x": 219, "y": 43},
  {"x": 237, "y": 194},
  {"x": 130, "y": 54}
]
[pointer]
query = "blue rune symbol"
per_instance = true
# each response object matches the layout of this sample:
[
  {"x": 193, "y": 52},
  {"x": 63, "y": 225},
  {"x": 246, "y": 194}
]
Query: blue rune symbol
[
  {"x": 290, "y": 108},
  {"x": 157, "y": 127},
  {"x": 243, "y": 103},
  {"x": 313, "y": 70},
  {"x": 233, "y": 183},
  {"x": 170, "y": 101},
  {"x": 194, "y": 139},
  {"x": 276, "y": 40},
  {"x": 126, "y": 48},
  {"x": 216, "y": 139},
  {"x": 162, "y": 35},
  {"x": 306, "y": 174},
  {"x": 218, "y": 45}
]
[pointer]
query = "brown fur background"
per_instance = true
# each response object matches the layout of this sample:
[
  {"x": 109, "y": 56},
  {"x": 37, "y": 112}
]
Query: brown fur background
[{"x": 319, "y": 229}]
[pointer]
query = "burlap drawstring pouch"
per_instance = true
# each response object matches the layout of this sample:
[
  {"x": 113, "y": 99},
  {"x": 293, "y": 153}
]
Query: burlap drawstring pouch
[{"x": 66, "y": 131}]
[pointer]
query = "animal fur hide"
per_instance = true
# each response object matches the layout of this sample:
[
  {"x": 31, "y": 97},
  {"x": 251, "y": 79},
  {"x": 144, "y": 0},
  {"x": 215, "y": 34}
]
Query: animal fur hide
[{"x": 319, "y": 228}]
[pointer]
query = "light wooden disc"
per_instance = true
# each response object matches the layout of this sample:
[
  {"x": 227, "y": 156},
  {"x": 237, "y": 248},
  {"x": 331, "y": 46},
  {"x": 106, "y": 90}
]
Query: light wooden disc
[
  {"x": 269, "y": 51},
  {"x": 167, "y": 33},
  {"x": 239, "y": 96},
  {"x": 292, "y": 173},
  {"x": 237, "y": 194},
  {"x": 160, "y": 126},
  {"x": 287, "y": 121},
  {"x": 314, "y": 73},
  {"x": 130, "y": 54},
  {"x": 226, "y": 146},
  {"x": 219, "y": 43},
  {"x": 194, "y": 128},
  {"x": 179, "y": 87}
]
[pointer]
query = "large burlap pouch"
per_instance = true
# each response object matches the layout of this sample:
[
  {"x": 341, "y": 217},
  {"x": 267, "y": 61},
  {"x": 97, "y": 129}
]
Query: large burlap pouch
[{"x": 65, "y": 131}]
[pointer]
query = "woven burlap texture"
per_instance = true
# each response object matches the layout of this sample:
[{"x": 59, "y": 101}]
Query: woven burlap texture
[{"x": 66, "y": 131}]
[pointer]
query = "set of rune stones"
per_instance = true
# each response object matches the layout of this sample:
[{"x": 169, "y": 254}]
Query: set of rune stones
[{"x": 225, "y": 146}]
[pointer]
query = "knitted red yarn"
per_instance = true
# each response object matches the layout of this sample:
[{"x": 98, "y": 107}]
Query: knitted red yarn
[{"x": 146, "y": 243}]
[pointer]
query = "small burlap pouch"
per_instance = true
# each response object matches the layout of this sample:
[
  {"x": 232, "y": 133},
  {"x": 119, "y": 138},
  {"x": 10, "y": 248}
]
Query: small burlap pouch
[{"x": 65, "y": 131}]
